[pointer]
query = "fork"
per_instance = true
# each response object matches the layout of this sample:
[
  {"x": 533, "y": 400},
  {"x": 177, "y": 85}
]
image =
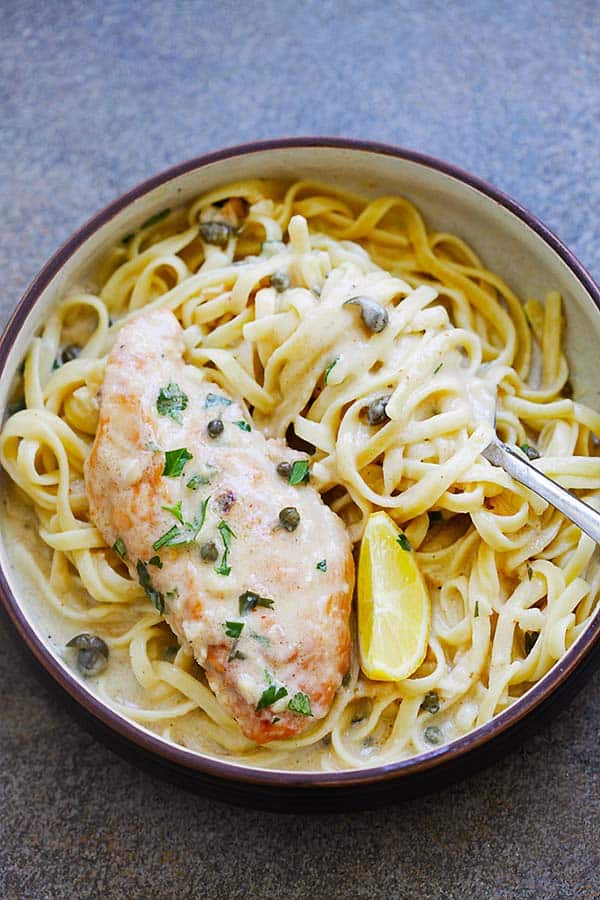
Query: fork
[{"x": 509, "y": 459}]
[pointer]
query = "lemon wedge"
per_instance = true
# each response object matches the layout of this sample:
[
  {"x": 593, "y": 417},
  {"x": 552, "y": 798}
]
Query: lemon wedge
[{"x": 394, "y": 611}]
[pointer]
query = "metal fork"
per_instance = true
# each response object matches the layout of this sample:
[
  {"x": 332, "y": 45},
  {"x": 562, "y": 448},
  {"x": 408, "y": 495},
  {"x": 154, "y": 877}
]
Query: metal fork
[{"x": 509, "y": 459}]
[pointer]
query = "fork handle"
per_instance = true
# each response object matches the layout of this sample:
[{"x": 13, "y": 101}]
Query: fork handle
[{"x": 572, "y": 507}]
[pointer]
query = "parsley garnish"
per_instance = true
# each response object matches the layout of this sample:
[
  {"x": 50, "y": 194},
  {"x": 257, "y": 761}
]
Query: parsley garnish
[
  {"x": 216, "y": 400},
  {"x": 243, "y": 425},
  {"x": 346, "y": 679},
  {"x": 529, "y": 572},
  {"x": 250, "y": 600},
  {"x": 175, "y": 461},
  {"x": 328, "y": 370},
  {"x": 155, "y": 561},
  {"x": 171, "y": 402},
  {"x": 271, "y": 694},
  {"x": 233, "y": 629},
  {"x": 299, "y": 473},
  {"x": 187, "y": 534},
  {"x": 476, "y": 610},
  {"x": 119, "y": 548},
  {"x": 226, "y": 534},
  {"x": 300, "y": 703},
  {"x": 530, "y": 451},
  {"x": 155, "y": 597},
  {"x": 437, "y": 368},
  {"x": 404, "y": 542},
  {"x": 196, "y": 480},
  {"x": 175, "y": 510},
  {"x": 156, "y": 218},
  {"x": 322, "y": 566}
]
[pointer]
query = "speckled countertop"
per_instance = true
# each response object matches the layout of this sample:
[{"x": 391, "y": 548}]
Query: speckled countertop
[{"x": 96, "y": 96}]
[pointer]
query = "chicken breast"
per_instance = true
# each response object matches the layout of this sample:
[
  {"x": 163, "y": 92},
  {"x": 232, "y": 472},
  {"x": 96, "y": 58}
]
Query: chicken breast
[{"x": 189, "y": 494}]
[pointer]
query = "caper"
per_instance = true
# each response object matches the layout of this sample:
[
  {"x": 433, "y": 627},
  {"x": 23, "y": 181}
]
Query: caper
[
  {"x": 284, "y": 469},
  {"x": 376, "y": 413},
  {"x": 92, "y": 655},
  {"x": 530, "y": 451},
  {"x": 217, "y": 233},
  {"x": 225, "y": 501},
  {"x": 433, "y": 735},
  {"x": 289, "y": 518},
  {"x": 69, "y": 353},
  {"x": 209, "y": 552},
  {"x": 90, "y": 662},
  {"x": 373, "y": 314},
  {"x": 215, "y": 428},
  {"x": 280, "y": 281},
  {"x": 431, "y": 702}
]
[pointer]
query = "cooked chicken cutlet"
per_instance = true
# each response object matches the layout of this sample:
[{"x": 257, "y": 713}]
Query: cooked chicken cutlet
[{"x": 255, "y": 573}]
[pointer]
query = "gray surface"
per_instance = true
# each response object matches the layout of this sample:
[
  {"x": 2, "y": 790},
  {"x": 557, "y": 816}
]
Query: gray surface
[{"x": 97, "y": 96}]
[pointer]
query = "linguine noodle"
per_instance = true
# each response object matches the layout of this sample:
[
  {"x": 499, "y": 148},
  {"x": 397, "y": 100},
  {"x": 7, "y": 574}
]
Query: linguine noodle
[{"x": 512, "y": 583}]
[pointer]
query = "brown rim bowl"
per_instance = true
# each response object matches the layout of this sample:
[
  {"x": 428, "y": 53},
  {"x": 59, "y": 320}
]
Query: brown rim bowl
[{"x": 512, "y": 242}]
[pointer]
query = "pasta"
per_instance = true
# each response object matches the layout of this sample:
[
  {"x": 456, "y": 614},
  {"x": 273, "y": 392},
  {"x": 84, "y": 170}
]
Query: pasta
[{"x": 512, "y": 583}]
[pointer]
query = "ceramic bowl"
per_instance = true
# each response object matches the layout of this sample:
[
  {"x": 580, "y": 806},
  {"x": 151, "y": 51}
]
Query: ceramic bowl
[{"x": 512, "y": 242}]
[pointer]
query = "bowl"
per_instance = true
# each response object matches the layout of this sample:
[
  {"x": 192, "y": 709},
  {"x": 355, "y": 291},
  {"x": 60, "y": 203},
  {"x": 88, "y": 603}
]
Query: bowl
[{"x": 512, "y": 242}]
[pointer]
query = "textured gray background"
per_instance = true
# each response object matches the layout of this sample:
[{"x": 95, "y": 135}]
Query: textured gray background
[{"x": 96, "y": 96}]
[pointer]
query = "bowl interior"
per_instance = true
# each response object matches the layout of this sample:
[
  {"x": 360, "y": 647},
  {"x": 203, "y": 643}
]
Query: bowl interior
[{"x": 505, "y": 242}]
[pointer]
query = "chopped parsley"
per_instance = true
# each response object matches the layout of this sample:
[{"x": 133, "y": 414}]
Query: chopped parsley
[
  {"x": 226, "y": 534},
  {"x": 322, "y": 565},
  {"x": 346, "y": 679},
  {"x": 175, "y": 510},
  {"x": 530, "y": 451},
  {"x": 250, "y": 600},
  {"x": 171, "y": 402},
  {"x": 404, "y": 541},
  {"x": 328, "y": 370},
  {"x": 119, "y": 548},
  {"x": 529, "y": 572},
  {"x": 300, "y": 703},
  {"x": 175, "y": 461},
  {"x": 156, "y": 218},
  {"x": 233, "y": 629},
  {"x": 155, "y": 561},
  {"x": 186, "y": 534},
  {"x": 476, "y": 610},
  {"x": 530, "y": 639},
  {"x": 243, "y": 426},
  {"x": 299, "y": 473},
  {"x": 437, "y": 368},
  {"x": 196, "y": 480},
  {"x": 216, "y": 400},
  {"x": 155, "y": 597},
  {"x": 271, "y": 694}
]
